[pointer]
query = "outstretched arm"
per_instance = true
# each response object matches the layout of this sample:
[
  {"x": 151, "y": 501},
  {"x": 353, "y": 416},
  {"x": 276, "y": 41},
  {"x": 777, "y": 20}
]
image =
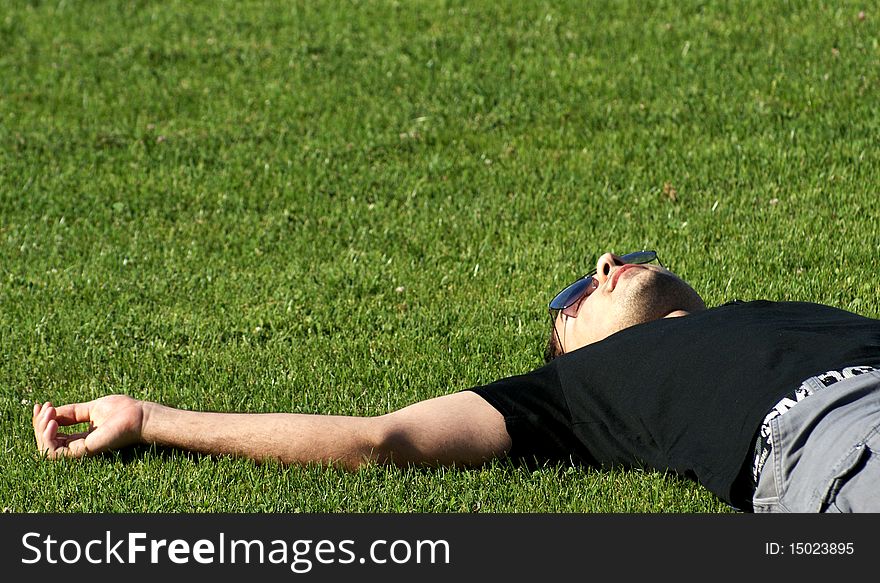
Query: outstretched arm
[{"x": 460, "y": 429}]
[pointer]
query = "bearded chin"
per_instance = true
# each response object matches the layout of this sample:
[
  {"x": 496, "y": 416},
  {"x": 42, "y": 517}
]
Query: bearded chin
[{"x": 654, "y": 295}]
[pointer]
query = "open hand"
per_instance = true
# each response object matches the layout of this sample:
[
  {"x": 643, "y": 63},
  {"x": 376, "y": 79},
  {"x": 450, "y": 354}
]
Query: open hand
[{"x": 114, "y": 422}]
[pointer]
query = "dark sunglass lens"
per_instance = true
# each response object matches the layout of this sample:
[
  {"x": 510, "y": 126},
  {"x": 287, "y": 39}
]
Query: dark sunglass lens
[
  {"x": 639, "y": 257},
  {"x": 571, "y": 294}
]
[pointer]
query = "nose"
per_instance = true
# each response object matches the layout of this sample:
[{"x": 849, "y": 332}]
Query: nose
[{"x": 605, "y": 264}]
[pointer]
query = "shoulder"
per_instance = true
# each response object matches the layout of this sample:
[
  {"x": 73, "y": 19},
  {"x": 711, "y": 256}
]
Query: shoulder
[{"x": 797, "y": 310}]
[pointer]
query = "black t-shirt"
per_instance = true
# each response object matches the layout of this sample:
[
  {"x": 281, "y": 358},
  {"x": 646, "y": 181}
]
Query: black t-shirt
[{"x": 682, "y": 394}]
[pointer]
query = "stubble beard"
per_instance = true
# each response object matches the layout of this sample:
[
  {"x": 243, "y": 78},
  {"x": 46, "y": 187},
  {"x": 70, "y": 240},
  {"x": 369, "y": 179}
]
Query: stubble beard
[{"x": 653, "y": 295}]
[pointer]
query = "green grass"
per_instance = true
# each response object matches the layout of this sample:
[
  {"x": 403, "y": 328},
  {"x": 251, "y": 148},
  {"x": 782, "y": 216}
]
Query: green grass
[{"x": 344, "y": 207}]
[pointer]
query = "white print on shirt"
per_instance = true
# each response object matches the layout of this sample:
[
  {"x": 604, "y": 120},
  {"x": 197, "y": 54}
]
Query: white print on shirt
[{"x": 786, "y": 403}]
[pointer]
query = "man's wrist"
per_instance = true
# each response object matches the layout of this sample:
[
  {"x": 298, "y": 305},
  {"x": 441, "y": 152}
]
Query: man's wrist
[{"x": 150, "y": 420}]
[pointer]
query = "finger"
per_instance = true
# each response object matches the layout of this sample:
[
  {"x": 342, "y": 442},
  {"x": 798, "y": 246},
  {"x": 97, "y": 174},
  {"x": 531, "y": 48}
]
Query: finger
[
  {"x": 42, "y": 419},
  {"x": 45, "y": 415},
  {"x": 45, "y": 437},
  {"x": 73, "y": 413},
  {"x": 67, "y": 447},
  {"x": 59, "y": 445},
  {"x": 49, "y": 413},
  {"x": 38, "y": 436},
  {"x": 100, "y": 440},
  {"x": 77, "y": 448},
  {"x": 48, "y": 445},
  {"x": 65, "y": 438},
  {"x": 37, "y": 409}
]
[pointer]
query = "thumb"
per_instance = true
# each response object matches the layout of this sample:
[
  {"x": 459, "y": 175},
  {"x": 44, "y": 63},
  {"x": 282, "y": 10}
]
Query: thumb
[{"x": 74, "y": 413}]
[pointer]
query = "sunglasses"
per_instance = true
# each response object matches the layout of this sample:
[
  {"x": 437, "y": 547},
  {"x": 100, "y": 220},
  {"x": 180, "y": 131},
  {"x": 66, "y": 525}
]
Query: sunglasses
[{"x": 572, "y": 294}]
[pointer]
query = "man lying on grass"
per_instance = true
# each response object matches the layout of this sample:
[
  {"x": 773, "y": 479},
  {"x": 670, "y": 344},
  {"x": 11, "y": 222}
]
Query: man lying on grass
[{"x": 771, "y": 406}]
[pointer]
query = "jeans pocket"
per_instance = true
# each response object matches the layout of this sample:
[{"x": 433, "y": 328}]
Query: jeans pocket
[{"x": 826, "y": 492}]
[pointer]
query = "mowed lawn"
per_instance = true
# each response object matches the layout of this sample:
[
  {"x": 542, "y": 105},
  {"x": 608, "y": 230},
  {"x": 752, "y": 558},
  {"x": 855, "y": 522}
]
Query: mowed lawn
[{"x": 345, "y": 207}]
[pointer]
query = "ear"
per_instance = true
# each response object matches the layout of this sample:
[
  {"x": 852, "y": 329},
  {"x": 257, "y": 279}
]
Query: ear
[{"x": 677, "y": 314}]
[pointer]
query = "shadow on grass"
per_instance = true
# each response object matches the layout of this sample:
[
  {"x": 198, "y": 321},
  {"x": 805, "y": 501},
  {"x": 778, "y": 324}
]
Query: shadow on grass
[{"x": 138, "y": 453}]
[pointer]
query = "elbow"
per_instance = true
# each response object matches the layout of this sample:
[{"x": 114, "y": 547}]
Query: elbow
[
  {"x": 374, "y": 440},
  {"x": 389, "y": 442}
]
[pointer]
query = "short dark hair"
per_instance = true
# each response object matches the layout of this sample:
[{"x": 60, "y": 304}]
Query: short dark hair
[{"x": 553, "y": 349}]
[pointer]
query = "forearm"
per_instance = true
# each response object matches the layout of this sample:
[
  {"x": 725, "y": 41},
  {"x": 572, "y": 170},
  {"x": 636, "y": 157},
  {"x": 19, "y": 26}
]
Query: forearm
[{"x": 285, "y": 437}]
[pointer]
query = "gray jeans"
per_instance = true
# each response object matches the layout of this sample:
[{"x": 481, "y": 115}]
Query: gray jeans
[{"x": 826, "y": 452}]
